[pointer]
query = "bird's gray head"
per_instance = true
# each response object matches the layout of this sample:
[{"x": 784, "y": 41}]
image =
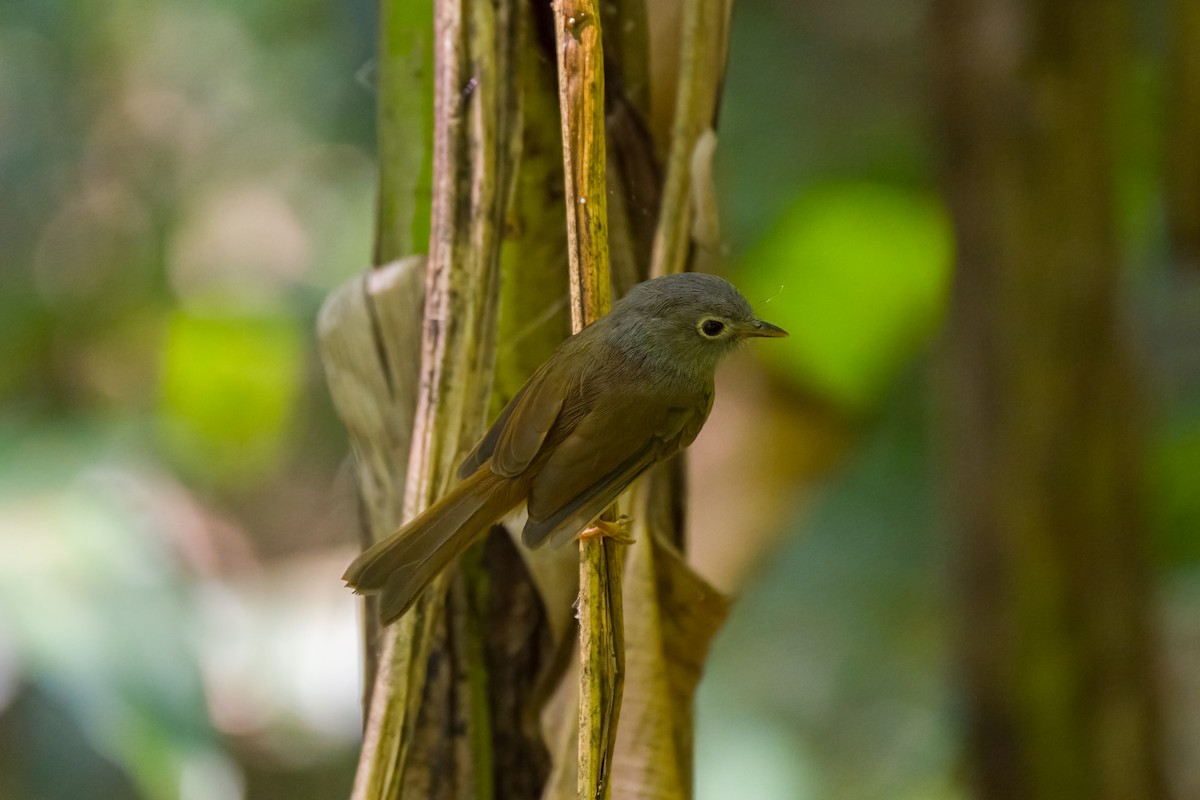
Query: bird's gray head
[{"x": 689, "y": 320}]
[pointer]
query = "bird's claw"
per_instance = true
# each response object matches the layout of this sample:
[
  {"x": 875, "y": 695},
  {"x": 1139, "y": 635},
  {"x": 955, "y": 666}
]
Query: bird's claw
[{"x": 617, "y": 531}]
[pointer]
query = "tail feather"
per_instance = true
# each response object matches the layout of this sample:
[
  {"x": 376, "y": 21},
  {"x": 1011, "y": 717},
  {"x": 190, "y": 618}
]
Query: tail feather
[{"x": 403, "y": 564}]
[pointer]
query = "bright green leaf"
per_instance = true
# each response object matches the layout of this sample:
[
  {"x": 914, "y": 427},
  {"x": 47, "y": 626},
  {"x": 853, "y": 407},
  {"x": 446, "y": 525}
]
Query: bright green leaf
[
  {"x": 229, "y": 384},
  {"x": 858, "y": 274}
]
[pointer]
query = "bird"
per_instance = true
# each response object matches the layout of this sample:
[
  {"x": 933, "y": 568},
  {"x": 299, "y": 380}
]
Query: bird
[{"x": 629, "y": 390}]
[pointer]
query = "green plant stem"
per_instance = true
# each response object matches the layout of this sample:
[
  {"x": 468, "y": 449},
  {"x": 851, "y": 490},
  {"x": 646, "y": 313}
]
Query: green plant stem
[
  {"x": 601, "y": 645},
  {"x": 426, "y": 730}
]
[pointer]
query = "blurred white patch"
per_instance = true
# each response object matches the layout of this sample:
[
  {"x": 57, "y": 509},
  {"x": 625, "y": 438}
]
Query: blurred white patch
[
  {"x": 209, "y": 776},
  {"x": 279, "y": 653},
  {"x": 751, "y": 757}
]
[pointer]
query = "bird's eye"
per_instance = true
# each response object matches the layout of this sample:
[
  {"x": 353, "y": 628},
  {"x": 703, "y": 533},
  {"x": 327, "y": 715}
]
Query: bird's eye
[{"x": 712, "y": 328}]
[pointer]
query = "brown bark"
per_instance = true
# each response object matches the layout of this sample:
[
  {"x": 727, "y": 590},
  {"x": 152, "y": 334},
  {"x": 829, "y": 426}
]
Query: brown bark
[
  {"x": 1183, "y": 132},
  {"x": 1041, "y": 413}
]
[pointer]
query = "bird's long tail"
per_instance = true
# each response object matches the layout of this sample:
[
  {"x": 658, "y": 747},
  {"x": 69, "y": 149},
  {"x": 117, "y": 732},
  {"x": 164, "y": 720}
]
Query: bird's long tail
[{"x": 402, "y": 565}]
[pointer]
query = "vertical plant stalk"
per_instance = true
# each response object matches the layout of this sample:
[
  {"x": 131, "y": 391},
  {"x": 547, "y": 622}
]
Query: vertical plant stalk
[
  {"x": 676, "y": 611},
  {"x": 703, "y": 50},
  {"x": 404, "y": 121},
  {"x": 601, "y": 645},
  {"x": 426, "y": 731},
  {"x": 372, "y": 328},
  {"x": 581, "y": 100}
]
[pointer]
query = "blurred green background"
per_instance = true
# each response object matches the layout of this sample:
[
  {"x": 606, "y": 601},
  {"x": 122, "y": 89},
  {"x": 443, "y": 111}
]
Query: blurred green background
[{"x": 182, "y": 183}]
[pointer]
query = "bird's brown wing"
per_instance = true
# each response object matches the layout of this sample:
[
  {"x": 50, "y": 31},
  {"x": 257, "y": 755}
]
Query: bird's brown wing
[
  {"x": 518, "y": 433},
  {"x": 612, "y": 444}
]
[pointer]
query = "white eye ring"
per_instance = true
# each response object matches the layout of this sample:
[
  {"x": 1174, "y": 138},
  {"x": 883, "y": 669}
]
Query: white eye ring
[{"x": 711, "y": 328}]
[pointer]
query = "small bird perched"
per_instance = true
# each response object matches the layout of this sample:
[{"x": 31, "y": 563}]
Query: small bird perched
[{"x": 631, "y": 389}]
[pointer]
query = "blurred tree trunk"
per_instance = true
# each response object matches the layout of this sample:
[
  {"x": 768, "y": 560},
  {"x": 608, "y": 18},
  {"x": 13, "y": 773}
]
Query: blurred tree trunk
[
  {"x": 1042, "y": 415},
  {"x": 1183, "y": 132}
]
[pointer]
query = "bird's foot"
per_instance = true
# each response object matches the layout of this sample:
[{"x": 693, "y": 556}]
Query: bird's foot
[{"x": 617, "y": 531}]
